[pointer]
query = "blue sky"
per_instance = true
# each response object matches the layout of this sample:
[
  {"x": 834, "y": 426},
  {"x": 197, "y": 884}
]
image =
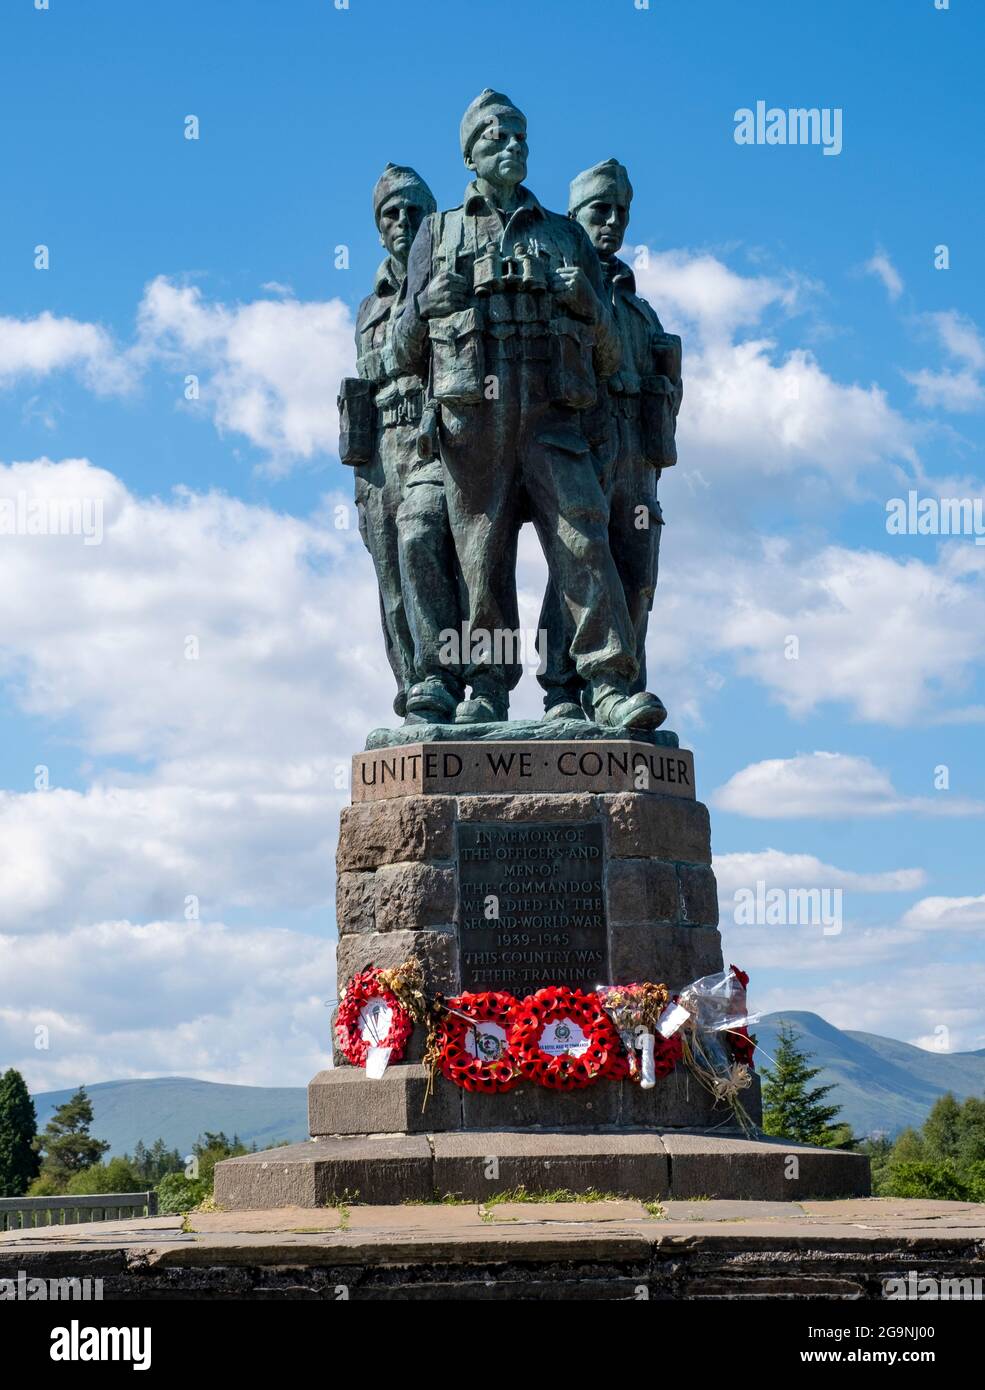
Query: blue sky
[{"x": 829, "y": 367}]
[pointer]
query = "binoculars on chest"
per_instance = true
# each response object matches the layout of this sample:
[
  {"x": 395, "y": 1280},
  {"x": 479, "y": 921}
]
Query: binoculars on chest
[{"x": 495, "y": 272}]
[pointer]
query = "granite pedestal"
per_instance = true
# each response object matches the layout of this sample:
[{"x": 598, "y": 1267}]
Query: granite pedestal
[{"x": 594, "y": 856}]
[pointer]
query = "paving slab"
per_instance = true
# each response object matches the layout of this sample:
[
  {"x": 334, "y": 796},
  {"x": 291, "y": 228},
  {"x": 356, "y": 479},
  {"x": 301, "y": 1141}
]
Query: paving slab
[
  {"x": 287, "y": 1219},
  {"x": 566, "y": 1213}
]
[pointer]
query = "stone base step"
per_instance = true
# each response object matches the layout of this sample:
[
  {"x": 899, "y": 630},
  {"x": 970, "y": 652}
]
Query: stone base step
[
  {"x": 343, "y": 1100},
  {"x": 473, "y": 1165}
]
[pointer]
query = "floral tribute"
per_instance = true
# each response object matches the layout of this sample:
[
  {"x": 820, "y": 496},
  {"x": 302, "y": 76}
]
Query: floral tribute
[
  {"x": 565, "y": 1040},
  {"x": 472, "y": 1039},
  {"x": 370, "y": 1015}
]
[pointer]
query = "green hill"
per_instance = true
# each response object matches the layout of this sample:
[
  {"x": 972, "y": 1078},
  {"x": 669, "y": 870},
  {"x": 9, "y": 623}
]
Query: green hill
[
  {"x": 178, "y": 1109},
  {"x": 880, "y": 1083}
]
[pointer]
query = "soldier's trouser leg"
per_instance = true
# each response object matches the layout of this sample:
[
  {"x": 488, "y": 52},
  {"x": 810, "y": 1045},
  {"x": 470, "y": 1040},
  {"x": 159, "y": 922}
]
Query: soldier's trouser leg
[
  {"x": 557, "y": 674},
  {"x": 431, "y": 580},
  {"x": 482, "y": 487},
  {"x": 378, "y": 493},
  {"x": 634, "y": 533},
  {"x": 570, "y": 513}
]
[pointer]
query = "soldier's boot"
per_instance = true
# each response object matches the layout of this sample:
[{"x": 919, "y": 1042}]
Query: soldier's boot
[
  {"x": 563, "y": 704},
  {"x": 489, "y": 703},
  {"x": 431, "y": 701},
  {"x": 616, "y": 709}
]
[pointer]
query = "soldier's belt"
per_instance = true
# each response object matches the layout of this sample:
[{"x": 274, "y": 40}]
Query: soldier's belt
[{"x": 406, "y": 412}]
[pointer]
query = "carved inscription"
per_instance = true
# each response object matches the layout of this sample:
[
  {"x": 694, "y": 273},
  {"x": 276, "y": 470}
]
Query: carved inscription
[{"x": 531, "y": 906}]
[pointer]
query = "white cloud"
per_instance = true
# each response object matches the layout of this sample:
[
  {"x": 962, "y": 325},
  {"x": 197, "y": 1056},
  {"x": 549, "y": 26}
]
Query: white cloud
[
  {"x": 949, "y": 914},
  {"x": 887, "y": 637},
  {"x": 824, "y": 785},
  {"x": 883, "y": 269},
  {"x": 37, "y": 347},
  {"x": 270, "y": 369},
  {"x": 71, "y": 857},
  {"x": 960, "y": 337},
  {"x": 912, "y": 1003},
  {"x": 961, "y": 389},
  {"x": 122, "y": 999},
  {"x": 284, "y": 611},
  {"x": 751, "y": 411},
  {"x": 780, "y": 870},
  {"x": 948, "y": 390}
]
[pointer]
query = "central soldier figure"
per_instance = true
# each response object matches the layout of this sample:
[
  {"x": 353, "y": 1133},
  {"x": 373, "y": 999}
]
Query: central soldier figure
[{"x": 507, "y": 321}]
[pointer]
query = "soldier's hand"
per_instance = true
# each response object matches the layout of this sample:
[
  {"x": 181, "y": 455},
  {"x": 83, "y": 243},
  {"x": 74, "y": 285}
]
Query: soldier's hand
[
  {"x": 446, "y": 293},
  {"x": 573, "y": 290}
]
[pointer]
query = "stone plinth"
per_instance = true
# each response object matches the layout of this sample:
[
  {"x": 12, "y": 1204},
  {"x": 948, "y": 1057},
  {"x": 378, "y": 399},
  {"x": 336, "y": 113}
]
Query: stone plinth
[{"x": 508, "y": 864}]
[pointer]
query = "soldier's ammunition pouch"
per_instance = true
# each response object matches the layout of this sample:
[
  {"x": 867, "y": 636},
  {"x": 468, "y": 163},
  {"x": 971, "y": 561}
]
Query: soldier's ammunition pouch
[
  {"x": 667, "y": 356},
  {"x": 571, "y": 373},
  {"x": 457, "y": 357},
  {"x": 658, "y": 421},
  {"x": 356, "y": 420},
  {"x": 400, "y": 403}
]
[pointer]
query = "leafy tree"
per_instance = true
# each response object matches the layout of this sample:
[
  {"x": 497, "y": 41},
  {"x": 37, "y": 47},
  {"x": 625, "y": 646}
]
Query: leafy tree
[
  {"x": 942, "y": 1180},
  {"x": 942, "y": 1128},
  {"x": 176, "y": 1193},
  {"x": 118, "y": 1175},
  {"x": 19, "y": 1163},
  {"x": 792, "y": 1109},
  {"x": 152, "y": 1164},
  {"x": 67, "y": 1144}
]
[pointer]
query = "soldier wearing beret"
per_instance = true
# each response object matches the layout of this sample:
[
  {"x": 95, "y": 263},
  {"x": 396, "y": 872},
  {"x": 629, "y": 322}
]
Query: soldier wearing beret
[
  {"x": 631, "y": 431},
  {"x": 400, "y": 498},
  {"x": 508, "y": 321}
]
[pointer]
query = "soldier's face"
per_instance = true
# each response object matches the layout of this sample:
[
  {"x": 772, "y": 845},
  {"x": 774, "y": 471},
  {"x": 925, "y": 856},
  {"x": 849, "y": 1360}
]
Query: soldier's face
[
  {"x": 400, "y": 218},
  {"x": 499, "y": 154},
  {"x": 605, "y": 220}
]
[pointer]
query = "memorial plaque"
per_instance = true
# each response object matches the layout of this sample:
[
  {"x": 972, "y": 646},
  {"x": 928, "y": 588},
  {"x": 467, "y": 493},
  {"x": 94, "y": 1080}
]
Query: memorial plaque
[{"x": 531, "y": 909}]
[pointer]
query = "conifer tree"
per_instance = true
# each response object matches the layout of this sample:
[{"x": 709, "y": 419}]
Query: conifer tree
[{"x": 792, "y": 1109}]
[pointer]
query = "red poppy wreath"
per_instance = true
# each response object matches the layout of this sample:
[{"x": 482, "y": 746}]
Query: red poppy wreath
[
  {"x": 472, "y": 1041},
  {"x": 564, "y": 1039},
  {"x": 370, "y": 1016}
]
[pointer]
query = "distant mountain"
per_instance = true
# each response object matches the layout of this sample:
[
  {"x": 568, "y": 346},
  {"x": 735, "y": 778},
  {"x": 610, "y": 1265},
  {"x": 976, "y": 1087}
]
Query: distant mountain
[
  {"x": 178, "y": 1109},
  {"x": 880, "y": 1083}
]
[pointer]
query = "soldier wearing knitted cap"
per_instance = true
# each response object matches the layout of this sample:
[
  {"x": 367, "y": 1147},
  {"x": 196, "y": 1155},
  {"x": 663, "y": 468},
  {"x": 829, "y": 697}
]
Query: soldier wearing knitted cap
[
  {"x": 508, "y": 320},
  {"x": 400, "y": 498},
  {"x": 631, "y": 432}
]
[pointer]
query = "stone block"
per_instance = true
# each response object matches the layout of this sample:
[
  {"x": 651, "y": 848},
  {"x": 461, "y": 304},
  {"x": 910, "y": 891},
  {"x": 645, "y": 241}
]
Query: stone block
[
  {"x": 355, "y": 901},
  {"x": 657, "y": 827},
  {"x": 668, "y": 955},
  {"x": 380, "y": 1168},
  {"x": 436, "y": 950},
  {"x": 395, "y": 831},
  {"x": 642, "y": 890},
  {"x": 699, "y": 895},
  {"x": 532, "y": 806},
  {"x": 346, "y": 1101},
  {"x": 704, "y": 1165},
  {"x": 410, "y": 897},
  {"x": 530, "y": 1106},
  {"x": 556, "y": 763},
  {"x": 631, "y": 1165}
]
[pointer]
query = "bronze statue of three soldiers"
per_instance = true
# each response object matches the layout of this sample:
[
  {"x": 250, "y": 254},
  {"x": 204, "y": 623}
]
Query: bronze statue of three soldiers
[{"x": 509, "y": 372}]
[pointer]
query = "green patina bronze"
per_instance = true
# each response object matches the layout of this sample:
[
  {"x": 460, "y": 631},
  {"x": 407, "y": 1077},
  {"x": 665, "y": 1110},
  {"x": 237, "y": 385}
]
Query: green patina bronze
[{"x": 509, "y": 372}]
